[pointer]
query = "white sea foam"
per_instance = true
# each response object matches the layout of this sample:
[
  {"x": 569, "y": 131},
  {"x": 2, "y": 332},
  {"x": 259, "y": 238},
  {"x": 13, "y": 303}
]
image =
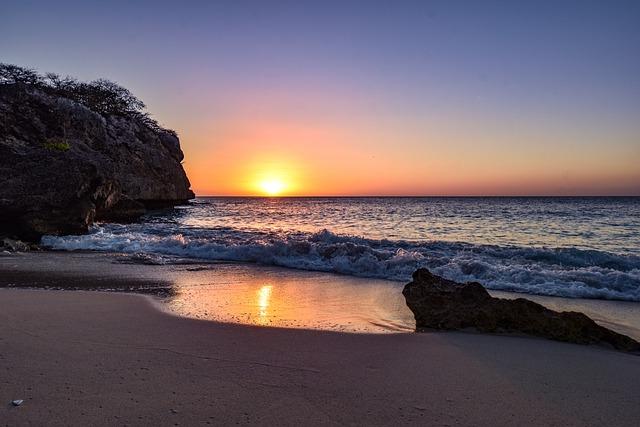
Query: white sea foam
[{"x": 566, "y": 272}]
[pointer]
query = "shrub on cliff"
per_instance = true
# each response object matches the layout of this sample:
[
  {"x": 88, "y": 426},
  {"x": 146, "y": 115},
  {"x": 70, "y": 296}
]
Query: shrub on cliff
[
  {"x": 57, "y": 144},
  {"x": 102, "y": 96},
  {"x": 10, "y": 74}
]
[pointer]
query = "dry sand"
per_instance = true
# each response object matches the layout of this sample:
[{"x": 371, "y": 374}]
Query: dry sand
[{"x": 90, "y": 358}]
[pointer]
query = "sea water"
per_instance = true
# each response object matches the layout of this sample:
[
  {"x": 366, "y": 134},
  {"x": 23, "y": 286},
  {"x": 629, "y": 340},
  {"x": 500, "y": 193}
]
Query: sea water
[{"x": 570, "y": 247}]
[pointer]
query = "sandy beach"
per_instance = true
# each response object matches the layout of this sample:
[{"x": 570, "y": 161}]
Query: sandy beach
[
  {"x": 284, "y": 213},
  {"x": 94, "y": 358}
]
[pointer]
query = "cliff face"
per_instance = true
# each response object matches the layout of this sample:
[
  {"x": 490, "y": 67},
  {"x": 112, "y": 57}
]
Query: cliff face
[{"x": 63, "y": 166}]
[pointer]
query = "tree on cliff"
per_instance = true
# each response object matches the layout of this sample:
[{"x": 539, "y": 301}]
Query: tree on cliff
[
  {"x": 11, "y": 74},
  {"x": 102, "y": 96}
]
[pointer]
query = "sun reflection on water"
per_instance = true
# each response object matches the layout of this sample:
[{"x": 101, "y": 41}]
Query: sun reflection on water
[
  {"x": 264, "y": 298},
  {"x": 277, "y": 297}
]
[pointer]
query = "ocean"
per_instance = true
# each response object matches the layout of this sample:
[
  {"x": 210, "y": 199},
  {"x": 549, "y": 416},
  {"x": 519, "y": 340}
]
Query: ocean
[{"x": 578, "y": 247}]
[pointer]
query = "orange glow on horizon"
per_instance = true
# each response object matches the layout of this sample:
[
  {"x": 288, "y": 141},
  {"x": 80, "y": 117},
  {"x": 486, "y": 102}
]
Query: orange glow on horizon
[{"x": 290, "y": 156}]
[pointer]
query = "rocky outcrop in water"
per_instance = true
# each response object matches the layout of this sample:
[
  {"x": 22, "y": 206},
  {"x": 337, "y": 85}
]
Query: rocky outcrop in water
[
  {"x": 438, "y": 303},
  {"x": 64, "y": 165},
  {"x": 11, "y": 245}
]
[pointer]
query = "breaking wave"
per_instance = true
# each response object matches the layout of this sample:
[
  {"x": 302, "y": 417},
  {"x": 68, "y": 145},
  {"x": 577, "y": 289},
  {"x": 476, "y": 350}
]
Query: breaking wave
[{"x": 566, "y": 272}]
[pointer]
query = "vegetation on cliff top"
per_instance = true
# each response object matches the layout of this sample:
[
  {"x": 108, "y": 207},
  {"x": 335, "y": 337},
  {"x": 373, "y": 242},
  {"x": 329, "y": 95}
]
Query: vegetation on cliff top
[{"x": 102, "y": 96}]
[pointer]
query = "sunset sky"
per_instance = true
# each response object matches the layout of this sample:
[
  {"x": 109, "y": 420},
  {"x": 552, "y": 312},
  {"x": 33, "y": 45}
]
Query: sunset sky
[{"x": 343, "y": 98}]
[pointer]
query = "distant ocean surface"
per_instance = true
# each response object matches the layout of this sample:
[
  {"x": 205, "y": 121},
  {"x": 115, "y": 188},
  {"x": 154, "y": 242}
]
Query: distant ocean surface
[{"x": 569, "y": 247}]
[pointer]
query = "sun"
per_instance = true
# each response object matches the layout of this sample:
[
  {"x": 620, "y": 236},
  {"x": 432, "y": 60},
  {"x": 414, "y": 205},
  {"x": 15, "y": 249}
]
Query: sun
[
  {"x": 272, "y": 177},
  {"x": 272, "y": 186}
]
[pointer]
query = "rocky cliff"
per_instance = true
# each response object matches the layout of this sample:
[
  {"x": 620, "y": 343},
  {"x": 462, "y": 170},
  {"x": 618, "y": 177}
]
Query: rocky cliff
[{"x": 64, "y": 165}]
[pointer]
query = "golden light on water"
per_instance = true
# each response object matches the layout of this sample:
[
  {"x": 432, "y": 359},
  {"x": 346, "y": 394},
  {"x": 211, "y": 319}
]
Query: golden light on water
[
  {"x": 264, "y": 299},
  {"x": 268, "y": 296}
]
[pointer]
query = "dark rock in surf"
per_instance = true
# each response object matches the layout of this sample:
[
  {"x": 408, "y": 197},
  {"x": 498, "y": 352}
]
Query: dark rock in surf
[
  {"x": 63, "y": 165},
  {"x": 11, "y": 245},
  {"x": 441, "y": 304}
]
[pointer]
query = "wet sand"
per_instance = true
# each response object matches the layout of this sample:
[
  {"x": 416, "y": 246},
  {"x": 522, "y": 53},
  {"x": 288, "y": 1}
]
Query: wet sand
[
  {"x": 96, "y": 358},
  {"x": 263, "y": 295}
]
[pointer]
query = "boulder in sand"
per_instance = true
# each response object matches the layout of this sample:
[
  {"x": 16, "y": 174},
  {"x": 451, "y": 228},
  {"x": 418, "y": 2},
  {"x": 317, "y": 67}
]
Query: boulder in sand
[{"x": 441, "y": 304}]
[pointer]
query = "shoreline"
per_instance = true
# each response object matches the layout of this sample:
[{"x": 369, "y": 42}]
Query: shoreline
[
  {"x": 244, "y": 293},
  {"x": 112, "y": 272},
  {"x": 100, "y": 358}
]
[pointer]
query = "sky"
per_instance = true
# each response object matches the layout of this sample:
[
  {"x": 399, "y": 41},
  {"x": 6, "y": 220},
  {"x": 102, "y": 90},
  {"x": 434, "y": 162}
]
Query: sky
[{"x": 366, "y": 97}]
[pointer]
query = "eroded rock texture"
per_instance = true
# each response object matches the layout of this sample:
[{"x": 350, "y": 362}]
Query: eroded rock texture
[
  {"x": 438, "y": 303},
  {"x": 62, "y": 165}
]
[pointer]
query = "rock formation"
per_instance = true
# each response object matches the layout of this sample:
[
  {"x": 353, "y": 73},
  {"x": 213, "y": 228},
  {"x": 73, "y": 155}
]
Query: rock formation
[
  {"x": 438, "y": 303},
  {"x": 63, "y": 165}
]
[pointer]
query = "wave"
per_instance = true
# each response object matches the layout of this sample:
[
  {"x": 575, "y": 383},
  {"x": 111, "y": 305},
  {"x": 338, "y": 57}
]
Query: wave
[{"x": 566, "y": 272}]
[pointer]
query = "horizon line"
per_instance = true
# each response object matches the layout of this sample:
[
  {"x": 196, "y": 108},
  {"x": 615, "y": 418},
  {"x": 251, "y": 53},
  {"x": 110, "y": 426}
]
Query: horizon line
[{"x": 417, "y": 196}]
